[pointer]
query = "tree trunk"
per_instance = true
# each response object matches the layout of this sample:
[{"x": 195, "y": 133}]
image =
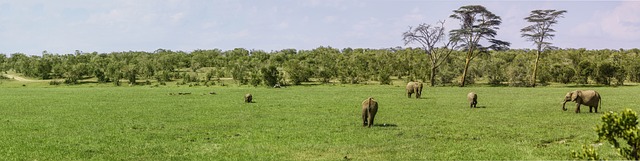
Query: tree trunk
[
  {"x": 433, "y": 75},
  {"x": 464, "y": 73},
  {"x": 535, "y": 69}
]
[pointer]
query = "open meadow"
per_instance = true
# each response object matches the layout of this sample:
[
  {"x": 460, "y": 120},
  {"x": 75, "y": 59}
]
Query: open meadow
[{"x": 313, "y": 122}]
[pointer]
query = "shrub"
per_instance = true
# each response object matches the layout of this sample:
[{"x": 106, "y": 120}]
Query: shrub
[
  {"x": 634, "y": 72},
  {"x": 255, "y": 79},
  {"x": 384, "y": 76},
  {"x": 562, "y": 73},
  {"x": 270, "y": 75},
  {"x": 585, "y": 69},
  {"x": 624, "y": 127},
  {"x": 54, "y": 82},
  {"x": 588, "y": 153},
  {"x": 616, "y": 128}
]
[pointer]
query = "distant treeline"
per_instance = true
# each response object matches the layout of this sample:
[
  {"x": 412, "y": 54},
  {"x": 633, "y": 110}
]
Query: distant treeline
[{"x": 328, "y": 65}]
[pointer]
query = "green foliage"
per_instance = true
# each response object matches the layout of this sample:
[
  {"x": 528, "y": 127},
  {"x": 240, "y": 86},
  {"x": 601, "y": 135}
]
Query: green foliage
[
  {"x": 585, "y": 70},
  {"x": 239, "y": 74},
  {"x": 326, "y": 64},
  {"x": 588, "y": 153},
  {"x": 189, "y": 77},
  {"x": 476, "y": 23},
  {"x": 298, "y": 72},
  {"x": 604, "y": 72},
  {"x": 634, "y": 72},
  {"x": 384, "y": 77},
  {"x": 255, "y": 79},
  {"x": 493, "y": 69},
  {"x": 270, "y": 75},
  {"x": 562, "y": 73},
  {"x": 539, "y": 32},
  {"x": 621, "y": 127},
  {"x": 518, "y": 71}
]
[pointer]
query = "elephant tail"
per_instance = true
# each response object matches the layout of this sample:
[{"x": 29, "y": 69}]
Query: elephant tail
[
  {"x": 370, "y": 102},
  {"x": 600, "y": 103}
]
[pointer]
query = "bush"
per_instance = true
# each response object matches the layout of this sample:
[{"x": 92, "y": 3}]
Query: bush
[
  {"x": 54, "y": 82},
  {"x": 634, "y": 72},
  {"x": 604, "y": 73},
  {"x": 562, "y": 73},
  {"x": 270, "y": 75},
  {"x": 623, "y": 127},
  {"x": 588, "y": 153},
  {"x": 585, "y": 69},
  {"x": 384, "y": 76},
  {"x": 298, "y": 73},
  {"x": 255, "y": 79},
  {"x": 518, "y": 77},
  {"x": 616, "y": 128}
]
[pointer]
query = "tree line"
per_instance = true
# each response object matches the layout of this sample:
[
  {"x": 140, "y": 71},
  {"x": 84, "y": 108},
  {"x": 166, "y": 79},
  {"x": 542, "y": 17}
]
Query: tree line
[
  {"x": 444, "y": 58},
  {"x": 511, "y": 67}
]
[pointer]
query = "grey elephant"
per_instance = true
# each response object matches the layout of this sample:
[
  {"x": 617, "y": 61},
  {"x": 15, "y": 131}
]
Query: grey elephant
[
  {"x": 589, "y": 98},
  {"x": 369, "y": 110},
  {"x": 248, "y": 98},
  {"x": 473, "y": 99},
  {"x": 414, "y": 87}
]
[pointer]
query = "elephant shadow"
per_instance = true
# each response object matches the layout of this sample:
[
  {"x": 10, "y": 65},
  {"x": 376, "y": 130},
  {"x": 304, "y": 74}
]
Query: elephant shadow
[
  {"x": 481, "y": 106},
  {"x": 385, "y": 125}
]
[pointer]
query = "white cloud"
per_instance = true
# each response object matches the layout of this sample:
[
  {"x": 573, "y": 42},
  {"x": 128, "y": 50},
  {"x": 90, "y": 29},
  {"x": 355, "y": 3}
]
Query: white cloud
[
  {"x": 329, "y": 19},
  {"x": 623, "y": 22}
]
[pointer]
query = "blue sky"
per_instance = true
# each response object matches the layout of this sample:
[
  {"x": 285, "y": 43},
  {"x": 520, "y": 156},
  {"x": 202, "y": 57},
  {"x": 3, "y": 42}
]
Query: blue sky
[{"x": 63, "y": 26}]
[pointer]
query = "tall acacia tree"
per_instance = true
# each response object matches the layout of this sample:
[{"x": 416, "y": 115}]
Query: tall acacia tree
[
  {"x": 540, "y": 32},
  {"x": 477, "y": 23},
  {"x": 429, "y": 36}
]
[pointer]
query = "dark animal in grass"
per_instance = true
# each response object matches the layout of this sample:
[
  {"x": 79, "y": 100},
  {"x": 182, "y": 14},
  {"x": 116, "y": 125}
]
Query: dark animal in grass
[
  {"x": 369, "y": 110},
  {"x": 414, "y": 87},
  {"x": 589, "y": 98},
  {"x": 473, "y": 99},
  {"x": 248, "y": 98}
]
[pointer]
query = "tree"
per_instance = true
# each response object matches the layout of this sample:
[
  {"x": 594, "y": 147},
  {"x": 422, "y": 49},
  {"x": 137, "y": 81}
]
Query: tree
[
  {"x": 539, "y": 32},
  {"x": 270, "y": 75},
  {"x": 3, "y": 62},
  {"x": 477, "y": 23},
  {"x": 429, "y": 36}
]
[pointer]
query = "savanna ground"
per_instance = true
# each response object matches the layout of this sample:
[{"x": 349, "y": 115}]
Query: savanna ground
[{"x": 314, "y": 122}]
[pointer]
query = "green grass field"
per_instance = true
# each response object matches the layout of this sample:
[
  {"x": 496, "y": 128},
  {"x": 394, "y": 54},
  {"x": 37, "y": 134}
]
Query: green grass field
[{"x": 319, "y": 122}]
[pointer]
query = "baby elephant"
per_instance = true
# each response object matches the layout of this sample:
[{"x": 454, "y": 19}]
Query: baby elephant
[
  {"x": 589, "y": 98},
  {"x": 473, "y": 99},
  {"x": 369, "y": 110},
  {"x": 414, "y": 87},
  {"x": 248, "y": 98}
]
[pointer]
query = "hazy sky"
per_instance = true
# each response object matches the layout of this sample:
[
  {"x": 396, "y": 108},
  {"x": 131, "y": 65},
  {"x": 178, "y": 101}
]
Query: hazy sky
[{"x": 63, "y": 26}]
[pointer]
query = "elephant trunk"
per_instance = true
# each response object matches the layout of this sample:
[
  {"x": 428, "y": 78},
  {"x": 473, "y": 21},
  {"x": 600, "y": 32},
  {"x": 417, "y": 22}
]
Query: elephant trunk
[{"x": 563, "y": 103}]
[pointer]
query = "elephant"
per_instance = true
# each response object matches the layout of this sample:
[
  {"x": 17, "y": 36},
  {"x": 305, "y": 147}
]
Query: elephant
[
  {"x": 248, "y": 98},
  {"x": 589, "y": 98},
  {"x": 473, "y": 99},
  {"x": 369, "y": 110},
  {"x": 414, "y": 87}
]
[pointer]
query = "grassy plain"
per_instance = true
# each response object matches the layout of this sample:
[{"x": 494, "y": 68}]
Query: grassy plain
[{"x": 318, "y": 122}]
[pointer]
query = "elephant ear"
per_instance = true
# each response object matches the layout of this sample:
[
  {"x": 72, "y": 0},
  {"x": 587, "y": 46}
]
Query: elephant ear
[{"x": 575, "y": 95}]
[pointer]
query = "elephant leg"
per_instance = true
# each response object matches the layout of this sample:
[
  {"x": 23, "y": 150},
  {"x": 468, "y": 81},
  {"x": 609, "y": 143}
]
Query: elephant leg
[
  {"x": 364, "y": 117},
  {"x": 409, "y": 95},
  {"x": 590, "y": 109},
  {"x": 578, "y": 108},
  {"x": 371, "y": 117}
]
